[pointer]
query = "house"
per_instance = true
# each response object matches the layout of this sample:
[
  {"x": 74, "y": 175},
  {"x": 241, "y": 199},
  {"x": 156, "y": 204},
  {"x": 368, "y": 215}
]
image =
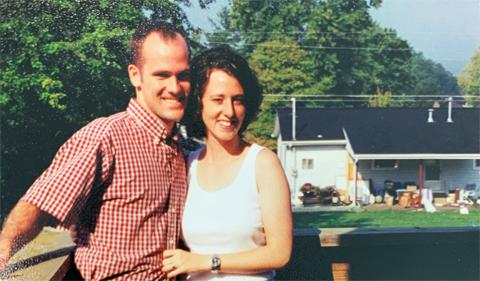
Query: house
[{"x": 437, "y": 149}]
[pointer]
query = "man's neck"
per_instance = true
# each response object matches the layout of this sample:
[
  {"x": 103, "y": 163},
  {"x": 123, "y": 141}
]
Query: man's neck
[{"x": 169, "y": 126}]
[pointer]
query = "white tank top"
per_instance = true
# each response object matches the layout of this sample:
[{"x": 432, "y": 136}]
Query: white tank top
[{"x": 223, "y": 221}]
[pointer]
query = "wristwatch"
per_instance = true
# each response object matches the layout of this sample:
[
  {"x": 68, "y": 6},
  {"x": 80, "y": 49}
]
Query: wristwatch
[{"x": 215, "y": 263}]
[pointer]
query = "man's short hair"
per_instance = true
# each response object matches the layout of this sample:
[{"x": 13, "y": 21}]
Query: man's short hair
[
  {"x": 145, "y": 28},
  {"x": 225, "y": 59}
]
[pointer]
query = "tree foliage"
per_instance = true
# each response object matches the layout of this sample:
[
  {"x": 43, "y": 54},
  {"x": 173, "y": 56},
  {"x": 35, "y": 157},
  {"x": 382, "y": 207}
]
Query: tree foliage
[
  {"x": 62, "y": 63},
  {"x": 431, "y": 79},
  {"x": 470, "y": 80},
  {"x": 341, "y": 40},
  {"x": 285, "y": 71},
  {"x": 343, "y": 53}
]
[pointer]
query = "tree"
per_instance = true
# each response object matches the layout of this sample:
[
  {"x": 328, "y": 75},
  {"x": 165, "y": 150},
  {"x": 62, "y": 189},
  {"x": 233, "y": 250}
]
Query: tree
[
  {"x": 285, "y": 71},
  {"x": 224, "y": 33},
  {"x": 340, "y": 51},
  {"x": 431, "y": 79},
  {"x": 62, "y": 63},
  {"x": 339, "y": 37},
  {"x": 383, "y": 99},
  {"x": 470, "y": 80}
]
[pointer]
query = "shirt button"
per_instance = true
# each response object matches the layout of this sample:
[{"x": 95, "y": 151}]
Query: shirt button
[{"x": 156, "y": 140}]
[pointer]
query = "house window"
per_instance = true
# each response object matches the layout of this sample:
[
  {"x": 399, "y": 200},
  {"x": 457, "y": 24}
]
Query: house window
[
  {"x": 476, "y": 164},
  {"x": 432, "y": 170},
  {"x": 385, "y": 164},
  {"x": 307, "y": 164}
]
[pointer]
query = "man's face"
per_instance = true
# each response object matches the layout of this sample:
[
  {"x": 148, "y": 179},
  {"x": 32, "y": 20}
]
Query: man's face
[{"x": 161, "y": 77}]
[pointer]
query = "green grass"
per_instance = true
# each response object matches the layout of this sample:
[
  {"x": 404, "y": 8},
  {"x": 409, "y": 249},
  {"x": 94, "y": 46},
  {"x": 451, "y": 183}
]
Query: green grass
[{"x": 386, "y": 218}]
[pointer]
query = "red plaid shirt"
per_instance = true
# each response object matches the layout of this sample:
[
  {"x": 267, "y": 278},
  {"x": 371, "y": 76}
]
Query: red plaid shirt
[{"x": 123, "y": 182}]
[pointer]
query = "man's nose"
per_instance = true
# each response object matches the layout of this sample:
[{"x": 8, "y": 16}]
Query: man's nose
[{"x": 173, "y": 85}]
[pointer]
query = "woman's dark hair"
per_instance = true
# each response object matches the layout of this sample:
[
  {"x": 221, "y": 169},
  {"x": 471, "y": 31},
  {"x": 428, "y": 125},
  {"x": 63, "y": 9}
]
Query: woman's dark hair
[{"x": 225, "y": 59}]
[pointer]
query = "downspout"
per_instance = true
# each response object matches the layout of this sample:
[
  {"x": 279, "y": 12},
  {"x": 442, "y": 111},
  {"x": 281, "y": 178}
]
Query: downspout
[
  {"x": 294, "y": 169},
  {"x": 356, "y": 185},
  {"x": 294, "y": 198},
  {"x": 420, "y": 179},
  {"x": 294, "y": 151},
  {"x": 350, "y": 151}
]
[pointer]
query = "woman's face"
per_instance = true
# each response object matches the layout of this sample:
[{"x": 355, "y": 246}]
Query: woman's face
[{"x": 223, "y": 109}]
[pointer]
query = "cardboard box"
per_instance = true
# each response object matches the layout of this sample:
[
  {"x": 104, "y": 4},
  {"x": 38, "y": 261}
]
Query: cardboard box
[
  {"x": 411, "y": 187},
  {"x": 451, "y": 198},
  {"x": 439, "y": 201}
]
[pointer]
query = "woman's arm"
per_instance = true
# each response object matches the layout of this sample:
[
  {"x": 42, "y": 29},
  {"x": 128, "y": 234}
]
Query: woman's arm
[{"x": 274, "y": 200}]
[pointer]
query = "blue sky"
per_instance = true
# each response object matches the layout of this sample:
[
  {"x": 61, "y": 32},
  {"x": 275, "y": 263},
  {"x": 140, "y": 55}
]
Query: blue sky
[{"x": 446, "y": 31}]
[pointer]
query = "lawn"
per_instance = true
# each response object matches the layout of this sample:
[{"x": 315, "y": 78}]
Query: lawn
[{"x": 386, "y": 218}]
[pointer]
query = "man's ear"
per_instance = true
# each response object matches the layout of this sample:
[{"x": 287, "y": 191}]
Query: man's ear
[{"x": 135, "y": 76}]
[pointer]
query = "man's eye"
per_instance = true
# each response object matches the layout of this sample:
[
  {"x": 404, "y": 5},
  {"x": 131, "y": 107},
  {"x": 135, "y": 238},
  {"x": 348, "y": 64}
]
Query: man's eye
[
  {"x": 162, "y": 75},
  {"x": 184, "y": 76}
]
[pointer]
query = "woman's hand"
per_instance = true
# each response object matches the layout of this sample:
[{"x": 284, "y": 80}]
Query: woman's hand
[{"x": 176, "y": 262}]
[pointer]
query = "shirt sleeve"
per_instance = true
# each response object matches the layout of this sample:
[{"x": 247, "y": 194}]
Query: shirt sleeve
[{"x": 64, "y": 187}]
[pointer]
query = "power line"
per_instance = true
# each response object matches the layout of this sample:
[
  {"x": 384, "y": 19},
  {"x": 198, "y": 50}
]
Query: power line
[
  {"x": 333, "y": 32},
  {"x": 322, "y": 47},
  {"x": 359, "y": 101},
  {"x": 368, "y": 96}
]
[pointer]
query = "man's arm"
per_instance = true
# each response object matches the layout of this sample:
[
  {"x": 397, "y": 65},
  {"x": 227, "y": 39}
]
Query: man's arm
[{"x": 22, "y": 225}]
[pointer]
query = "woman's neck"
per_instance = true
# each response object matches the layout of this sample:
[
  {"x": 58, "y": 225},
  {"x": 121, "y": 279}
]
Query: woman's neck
[{"x": 222, "y": 152}]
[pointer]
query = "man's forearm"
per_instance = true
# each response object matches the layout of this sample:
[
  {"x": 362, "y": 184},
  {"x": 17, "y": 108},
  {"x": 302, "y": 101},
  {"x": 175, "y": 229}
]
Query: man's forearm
[{"x": 22, "y": 225}]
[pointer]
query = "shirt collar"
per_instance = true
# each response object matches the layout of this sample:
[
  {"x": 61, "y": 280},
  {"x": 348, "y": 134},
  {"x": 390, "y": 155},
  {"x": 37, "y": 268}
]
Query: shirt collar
[{"x": 150, "y": 123}]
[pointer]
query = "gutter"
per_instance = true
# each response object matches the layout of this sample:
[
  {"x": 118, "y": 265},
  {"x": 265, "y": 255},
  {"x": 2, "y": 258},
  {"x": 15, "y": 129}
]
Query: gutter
[
  {"x": 416, "y": 156},
  {"x": 315, "y": 142}
]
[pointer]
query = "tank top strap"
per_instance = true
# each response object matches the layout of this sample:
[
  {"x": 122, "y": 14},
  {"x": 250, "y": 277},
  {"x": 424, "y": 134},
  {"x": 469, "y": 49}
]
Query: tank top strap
[
  {"x": 249, "y": 163},
  {"x": 254, "y": 150}
]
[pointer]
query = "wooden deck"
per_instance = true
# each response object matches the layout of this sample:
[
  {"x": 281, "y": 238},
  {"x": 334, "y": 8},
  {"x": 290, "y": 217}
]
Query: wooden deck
[{"x": 44, "y": 258}]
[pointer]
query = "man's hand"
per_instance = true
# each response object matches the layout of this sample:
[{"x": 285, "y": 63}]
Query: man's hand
[
  {"x": 74, "y": 233},
  {"x": 259, "y": 237},
  {"x": 22, "y": 225},
  {"x": 5, "y": 254},
  {"x": 3, "y": 266}
]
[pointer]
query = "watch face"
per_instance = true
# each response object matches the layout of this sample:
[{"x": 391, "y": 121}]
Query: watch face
[{"x": 215, "y": 264}]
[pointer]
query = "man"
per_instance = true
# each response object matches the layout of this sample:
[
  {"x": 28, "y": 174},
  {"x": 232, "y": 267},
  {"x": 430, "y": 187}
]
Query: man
[{"x": 121, "y": 179}]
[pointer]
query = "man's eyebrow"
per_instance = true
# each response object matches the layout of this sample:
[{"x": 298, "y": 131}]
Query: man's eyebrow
[{"x": 162, "y": 72}]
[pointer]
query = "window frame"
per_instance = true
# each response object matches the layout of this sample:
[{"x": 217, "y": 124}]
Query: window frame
[
  {"x": 396, "y": 164},
  {"x": 307, "y": 162},
  {"x": 475, "y": 166}
]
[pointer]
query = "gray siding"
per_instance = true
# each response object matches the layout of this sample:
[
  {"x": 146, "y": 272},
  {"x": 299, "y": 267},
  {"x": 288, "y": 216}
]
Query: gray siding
[
  {"x": 406, "y": 172},
  {"x": 454, "y": 173},
  {"x": 458, "y": 173}
]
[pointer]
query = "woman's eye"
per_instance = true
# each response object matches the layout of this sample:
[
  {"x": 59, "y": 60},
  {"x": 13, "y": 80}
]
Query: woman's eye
[{"x": 238, "y": 100}]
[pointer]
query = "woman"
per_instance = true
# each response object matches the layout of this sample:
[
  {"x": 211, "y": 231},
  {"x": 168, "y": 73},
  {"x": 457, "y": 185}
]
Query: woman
[{"x": 237, "y": 191}]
